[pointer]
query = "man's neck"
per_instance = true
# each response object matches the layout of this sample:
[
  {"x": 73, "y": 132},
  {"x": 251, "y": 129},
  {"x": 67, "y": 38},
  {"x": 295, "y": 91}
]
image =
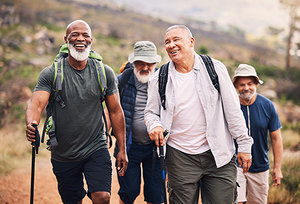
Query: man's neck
[
  {"x": 248, "y": 102},
  {"x": 79, "y": 65},
  {"x": 186, "y": 65}
]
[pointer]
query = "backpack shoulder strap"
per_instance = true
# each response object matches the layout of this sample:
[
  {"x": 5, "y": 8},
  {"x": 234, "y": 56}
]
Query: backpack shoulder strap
[
  {"x": 58, "y": 75},
  {"x": 101, "y": 76},
  {"x": 162, "y": 83},
  {"x": 211, "y": 71},
  {"x": 57, "y": 84},
  {"x": 103, "y": 85},
  {"x": 63, "y": 53},
  {"x": 124, "y": 79},
  {"x": 54, "y": 95}
]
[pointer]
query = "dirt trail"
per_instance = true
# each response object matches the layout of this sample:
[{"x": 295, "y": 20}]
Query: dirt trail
[{"x": 15, "y": 187}]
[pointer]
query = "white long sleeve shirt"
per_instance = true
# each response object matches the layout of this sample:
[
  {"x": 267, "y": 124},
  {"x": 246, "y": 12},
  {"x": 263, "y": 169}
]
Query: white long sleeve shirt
[{"x": 224, "y": 119}]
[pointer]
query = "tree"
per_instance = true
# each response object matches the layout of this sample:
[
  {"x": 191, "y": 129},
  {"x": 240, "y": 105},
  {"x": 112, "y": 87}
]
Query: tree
[{"x": 294, "y": 7}]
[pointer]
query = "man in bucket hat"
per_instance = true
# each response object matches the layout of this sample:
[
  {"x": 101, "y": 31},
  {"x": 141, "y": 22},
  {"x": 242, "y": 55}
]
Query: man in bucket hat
[
  {"x": 261, "y": 118},
  {"x": 133, "y": 95}
]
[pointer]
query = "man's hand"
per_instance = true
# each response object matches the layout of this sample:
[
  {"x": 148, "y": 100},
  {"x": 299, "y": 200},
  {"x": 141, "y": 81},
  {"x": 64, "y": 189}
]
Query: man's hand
[
  {"x": 30, "y": 131},
  {"x": 245, "y": 160},
  {"x": 276, "y": 176},
  {"x": 157, "y": 135},
  {"x": 122, "y": 162}
]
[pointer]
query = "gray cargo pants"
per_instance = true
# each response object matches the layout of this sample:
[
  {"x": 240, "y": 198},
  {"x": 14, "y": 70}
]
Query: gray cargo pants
[{"x": 187, "y": 174}]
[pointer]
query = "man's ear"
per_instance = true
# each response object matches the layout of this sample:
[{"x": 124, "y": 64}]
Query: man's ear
[{"x": 192, "y": 40}]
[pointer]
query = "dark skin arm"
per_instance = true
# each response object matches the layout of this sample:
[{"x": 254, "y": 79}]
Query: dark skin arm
[
  {"x": 116, "y": 116},
  {"x": 34, "y": 110}
]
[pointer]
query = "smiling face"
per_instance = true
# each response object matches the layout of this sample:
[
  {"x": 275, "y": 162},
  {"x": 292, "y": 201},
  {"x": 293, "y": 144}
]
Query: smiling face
[
  {"x": 246, "y": 87},
  {"x": 179, "y": 44},
  {"x": 79, "y": 39}
]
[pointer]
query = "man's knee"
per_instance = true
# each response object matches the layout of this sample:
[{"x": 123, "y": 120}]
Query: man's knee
[
  {"x": 128, "y": 198},
  {"x": 100, "y": 197}
]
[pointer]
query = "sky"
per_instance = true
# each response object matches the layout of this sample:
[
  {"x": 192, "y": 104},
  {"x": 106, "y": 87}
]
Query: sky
[{"x": 253, "y": 16}]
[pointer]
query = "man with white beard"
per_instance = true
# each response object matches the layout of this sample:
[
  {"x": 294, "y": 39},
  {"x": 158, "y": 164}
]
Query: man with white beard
[
  {"x": 133, "y": 94},
  {"x": 79, "y": 130},
  {"x": 260, "y": 117}
]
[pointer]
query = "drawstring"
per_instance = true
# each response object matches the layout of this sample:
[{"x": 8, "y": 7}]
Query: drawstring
[{"x": 248, "y": 113}]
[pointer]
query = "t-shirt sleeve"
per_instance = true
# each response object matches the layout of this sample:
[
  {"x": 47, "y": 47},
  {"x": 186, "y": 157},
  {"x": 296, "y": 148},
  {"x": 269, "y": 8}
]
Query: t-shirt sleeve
[
  {"x": 111, "y": 79},
  {"x": 45, "y": 79},
  {"x": 274, "y": 120}
]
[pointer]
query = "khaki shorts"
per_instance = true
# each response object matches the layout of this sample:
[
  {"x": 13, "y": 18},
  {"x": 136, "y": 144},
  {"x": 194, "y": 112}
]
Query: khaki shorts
[{"x": 254, "y": 187}]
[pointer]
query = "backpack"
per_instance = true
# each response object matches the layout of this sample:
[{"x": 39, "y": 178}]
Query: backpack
[
  {"x": 126, "y": 73},
  {"x": 125, "y": 66},
  {"x": 49, "y": 125},
  {"x": 163, "y": 78}
]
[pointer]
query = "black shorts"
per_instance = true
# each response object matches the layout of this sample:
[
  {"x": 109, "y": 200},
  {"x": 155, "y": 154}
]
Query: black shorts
[{"x": 96, "y": 169}]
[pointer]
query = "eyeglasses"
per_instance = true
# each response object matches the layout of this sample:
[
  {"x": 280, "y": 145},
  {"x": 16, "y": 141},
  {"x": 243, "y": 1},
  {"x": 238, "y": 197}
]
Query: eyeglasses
[{"x": 143, "y": 64}]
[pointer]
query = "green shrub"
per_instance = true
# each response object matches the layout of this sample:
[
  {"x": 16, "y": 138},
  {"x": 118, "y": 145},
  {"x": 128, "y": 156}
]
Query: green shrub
[
  {"x": 203, "y": 50},
  {"x": 291, "y": 177}
]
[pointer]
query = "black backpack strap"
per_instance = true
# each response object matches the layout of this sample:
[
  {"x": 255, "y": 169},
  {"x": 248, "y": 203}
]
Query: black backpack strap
[
  {"x": 162, "y": 83},
  {"x": 124, "y": 80},
  {"x": 211, "y": 71}
]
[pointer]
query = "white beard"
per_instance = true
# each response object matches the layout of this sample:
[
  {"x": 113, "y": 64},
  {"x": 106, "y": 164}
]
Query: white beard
[
  {"x": 79, "y": 56},
  {"x": 142, "y": 78},
  {"x": 247, "y": 97}
]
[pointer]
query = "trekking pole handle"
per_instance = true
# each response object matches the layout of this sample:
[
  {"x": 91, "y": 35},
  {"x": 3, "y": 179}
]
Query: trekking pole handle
[
  {"x": 166, "y": 132},
  {"x": 161, "y": 149},
  {"x": 37, "y": 138}
]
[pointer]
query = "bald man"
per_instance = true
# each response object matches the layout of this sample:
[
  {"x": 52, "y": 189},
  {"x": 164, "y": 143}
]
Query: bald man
[{"x": 81, "y": 148}]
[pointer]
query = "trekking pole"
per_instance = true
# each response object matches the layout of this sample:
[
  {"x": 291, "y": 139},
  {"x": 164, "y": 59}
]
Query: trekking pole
[
  {"x": 163, "y": 167},
  {"x": 35, "y": 150}
]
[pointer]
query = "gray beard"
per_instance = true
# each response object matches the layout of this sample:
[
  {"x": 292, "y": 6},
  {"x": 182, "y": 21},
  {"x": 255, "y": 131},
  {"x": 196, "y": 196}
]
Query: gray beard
[
  {"x": 79, "y": 56},
  {"x": 247, "y": 97}
]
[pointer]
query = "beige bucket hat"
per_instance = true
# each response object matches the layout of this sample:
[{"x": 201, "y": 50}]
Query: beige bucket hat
[{"x": 245, "y": 70}]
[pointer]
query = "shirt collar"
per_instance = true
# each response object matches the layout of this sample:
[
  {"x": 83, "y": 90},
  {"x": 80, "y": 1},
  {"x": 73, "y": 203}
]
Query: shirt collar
[{"x": 197, "y": 62}]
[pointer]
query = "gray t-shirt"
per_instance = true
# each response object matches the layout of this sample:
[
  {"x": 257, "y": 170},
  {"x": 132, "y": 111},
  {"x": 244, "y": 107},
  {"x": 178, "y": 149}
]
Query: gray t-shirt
[
  {"x": 139, "y": 130},
  {"x": 79, "y": 125}
]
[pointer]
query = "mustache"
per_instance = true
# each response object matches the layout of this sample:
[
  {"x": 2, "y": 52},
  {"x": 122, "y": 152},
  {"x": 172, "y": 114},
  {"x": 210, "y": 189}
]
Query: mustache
[
  {"x": 144, "y": 71},
  {"x": 246, "y": 91}
]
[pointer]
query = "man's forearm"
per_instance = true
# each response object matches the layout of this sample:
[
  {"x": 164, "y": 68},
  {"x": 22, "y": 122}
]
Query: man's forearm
[
  {"x": 277, "y": 147},
  {"x": 36, "y": 105},
  {"x": 32, "y": 113},
  {"x": 277, "y": 153},
  {"x": 118, "y": 125}
]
